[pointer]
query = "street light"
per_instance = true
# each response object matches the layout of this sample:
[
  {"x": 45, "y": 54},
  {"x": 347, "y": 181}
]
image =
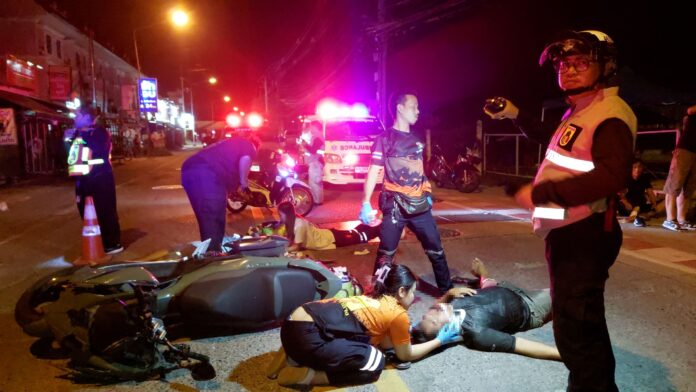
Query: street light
[
  {"x": 179, "y": 17},
  {"x": 226, "y": 98},
  {"x": 212, "y": 80}
]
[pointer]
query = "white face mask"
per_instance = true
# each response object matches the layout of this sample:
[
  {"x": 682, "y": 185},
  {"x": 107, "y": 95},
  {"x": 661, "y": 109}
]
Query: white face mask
[{"x": 458, "y": 316}]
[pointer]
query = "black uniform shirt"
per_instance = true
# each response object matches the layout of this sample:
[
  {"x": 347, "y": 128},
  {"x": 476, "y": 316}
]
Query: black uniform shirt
[{"x": 223, "y": 159}]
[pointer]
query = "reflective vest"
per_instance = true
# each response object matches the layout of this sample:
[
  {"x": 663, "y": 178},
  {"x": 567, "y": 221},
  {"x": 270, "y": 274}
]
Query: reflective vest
[
  {"x": 80, "y": 160},
  {"x": 570, "y": 154}
]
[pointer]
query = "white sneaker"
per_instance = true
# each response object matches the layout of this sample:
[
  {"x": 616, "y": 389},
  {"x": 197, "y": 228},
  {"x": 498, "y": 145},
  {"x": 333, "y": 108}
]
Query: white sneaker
[
  {"x": 672, "y": 225},
  {"x": 118, "y": 248}
]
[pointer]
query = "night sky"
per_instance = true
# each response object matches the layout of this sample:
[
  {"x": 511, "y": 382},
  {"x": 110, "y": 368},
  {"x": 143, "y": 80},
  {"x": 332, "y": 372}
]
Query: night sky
[{"x": 314, "y": 48}]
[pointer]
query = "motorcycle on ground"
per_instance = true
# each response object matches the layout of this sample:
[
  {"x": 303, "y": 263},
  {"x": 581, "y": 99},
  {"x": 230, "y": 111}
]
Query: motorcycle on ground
[
  {"x": 464, "y": 175},
  {"x": 113, "y": 319},
  {"x": 271, "y": 187}
]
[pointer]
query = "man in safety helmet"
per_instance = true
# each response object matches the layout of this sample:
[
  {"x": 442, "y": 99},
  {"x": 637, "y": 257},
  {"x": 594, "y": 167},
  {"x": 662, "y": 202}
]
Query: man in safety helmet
[
  {"x": 89, "y": 163},
  {"x": 588, "y": 160}
]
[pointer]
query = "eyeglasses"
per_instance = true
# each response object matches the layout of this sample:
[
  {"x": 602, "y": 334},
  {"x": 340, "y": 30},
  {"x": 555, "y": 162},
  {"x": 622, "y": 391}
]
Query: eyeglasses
[{"x": 580, "y": 64}]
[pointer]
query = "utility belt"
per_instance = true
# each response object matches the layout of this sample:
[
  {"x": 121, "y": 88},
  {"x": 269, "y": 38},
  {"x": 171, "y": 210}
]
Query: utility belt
[{"x": 407, "y": 204}]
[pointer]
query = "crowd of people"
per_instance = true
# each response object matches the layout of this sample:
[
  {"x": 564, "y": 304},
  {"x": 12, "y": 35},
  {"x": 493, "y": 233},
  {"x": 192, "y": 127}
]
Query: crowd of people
[{"x": 587, "y": 174}]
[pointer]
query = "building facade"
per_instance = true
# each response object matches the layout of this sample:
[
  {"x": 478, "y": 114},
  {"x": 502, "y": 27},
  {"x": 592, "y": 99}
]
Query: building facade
[{"x": 46, "y": 64}]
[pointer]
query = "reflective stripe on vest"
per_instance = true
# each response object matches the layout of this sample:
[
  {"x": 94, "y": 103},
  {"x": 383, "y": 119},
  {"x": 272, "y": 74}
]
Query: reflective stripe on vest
[
  {"x": 549, "y": 213},
  {"x": 567, "y": 162}
]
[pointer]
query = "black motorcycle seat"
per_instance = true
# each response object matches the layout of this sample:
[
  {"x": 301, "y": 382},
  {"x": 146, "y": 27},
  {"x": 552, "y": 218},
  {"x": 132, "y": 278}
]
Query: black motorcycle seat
[{"x": 243, "y": 300}]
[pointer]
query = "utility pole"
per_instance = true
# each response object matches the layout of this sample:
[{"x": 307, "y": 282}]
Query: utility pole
[
  {"x": 94, "y": 76},
  {"x": 265, "y": 94},
  {"x": 381, "y": 74}
]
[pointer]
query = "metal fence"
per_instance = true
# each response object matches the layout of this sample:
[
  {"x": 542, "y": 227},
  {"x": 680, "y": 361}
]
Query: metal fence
[
  {"x": 512, "y": 154},
  {"x": 41, "y": 146}
]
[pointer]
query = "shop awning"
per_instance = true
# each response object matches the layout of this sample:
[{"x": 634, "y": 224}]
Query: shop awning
[{"x": 33, "y": 104}]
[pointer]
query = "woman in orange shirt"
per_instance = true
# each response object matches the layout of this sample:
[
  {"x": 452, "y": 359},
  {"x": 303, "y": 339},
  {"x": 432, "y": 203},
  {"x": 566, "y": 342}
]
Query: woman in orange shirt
[{"x": 336, "y": 341}]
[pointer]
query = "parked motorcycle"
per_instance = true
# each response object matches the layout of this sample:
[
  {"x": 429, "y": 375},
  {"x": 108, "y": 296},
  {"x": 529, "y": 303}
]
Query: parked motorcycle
[
  {"x": 464, "y": 175},
  {"x": 271, "y": 187},
  {"x": 112, "y": 317}
]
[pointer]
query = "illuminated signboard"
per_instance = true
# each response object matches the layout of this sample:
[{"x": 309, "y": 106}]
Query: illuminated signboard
[
  {"x": 21, "y": 73},
  {"x": 147, "y": 91}
]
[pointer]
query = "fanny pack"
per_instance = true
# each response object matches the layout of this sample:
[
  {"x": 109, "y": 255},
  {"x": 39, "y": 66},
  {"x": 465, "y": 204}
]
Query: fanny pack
[{"x": 412, "y": 205}]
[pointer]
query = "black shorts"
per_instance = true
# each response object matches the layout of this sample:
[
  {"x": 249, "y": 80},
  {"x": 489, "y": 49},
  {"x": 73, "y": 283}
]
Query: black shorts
[{"x": 344, "y": 360}]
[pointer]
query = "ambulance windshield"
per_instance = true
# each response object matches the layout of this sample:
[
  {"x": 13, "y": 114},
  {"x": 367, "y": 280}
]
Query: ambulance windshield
[{"x": 353, "y": 130}]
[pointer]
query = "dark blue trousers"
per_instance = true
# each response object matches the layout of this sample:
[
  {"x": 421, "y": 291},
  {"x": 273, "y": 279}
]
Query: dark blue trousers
[
  {"x": 579, "y": 256},
  {"x": 423, "y": 225},
  {"x": 208, "y": 199}
]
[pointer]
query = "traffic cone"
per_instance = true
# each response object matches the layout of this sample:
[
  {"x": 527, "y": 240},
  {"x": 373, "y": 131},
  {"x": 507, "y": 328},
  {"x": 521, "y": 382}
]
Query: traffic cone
[{"x": 92, "y": 247}]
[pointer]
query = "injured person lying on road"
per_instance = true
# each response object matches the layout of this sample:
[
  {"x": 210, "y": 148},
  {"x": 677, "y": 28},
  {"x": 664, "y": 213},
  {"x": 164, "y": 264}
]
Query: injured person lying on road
[{"x": 488, "y": 317}]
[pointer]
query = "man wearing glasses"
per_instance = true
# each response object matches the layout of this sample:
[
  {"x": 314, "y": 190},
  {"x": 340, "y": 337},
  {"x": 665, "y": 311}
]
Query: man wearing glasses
[{"x": 588, "y": 160}]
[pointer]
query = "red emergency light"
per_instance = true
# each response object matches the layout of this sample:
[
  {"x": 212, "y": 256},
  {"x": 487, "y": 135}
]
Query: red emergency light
[{"x": 233, "y": 120}]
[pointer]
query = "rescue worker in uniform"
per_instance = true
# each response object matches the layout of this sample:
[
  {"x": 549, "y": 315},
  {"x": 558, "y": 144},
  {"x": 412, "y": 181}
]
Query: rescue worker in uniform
[
  {"x": 88, "y": 161},
  {"x": 312, "y": 143},
  {"x": 209, "y": 175},
  {"x": 405, "y": 199},
  {"x": 588, "y": 160}
]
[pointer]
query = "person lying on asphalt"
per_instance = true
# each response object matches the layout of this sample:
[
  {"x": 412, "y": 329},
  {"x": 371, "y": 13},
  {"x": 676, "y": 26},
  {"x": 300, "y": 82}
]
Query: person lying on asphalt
[
  {"x": 489, "y": 317},
  {"x": 305, "y": 235}
]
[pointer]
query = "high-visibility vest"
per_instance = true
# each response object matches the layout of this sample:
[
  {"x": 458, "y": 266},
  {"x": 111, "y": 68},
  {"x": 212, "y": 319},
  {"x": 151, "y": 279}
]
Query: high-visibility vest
[
  {"x": 570, "y": 154},
  {"x": 80, "y": 160}
]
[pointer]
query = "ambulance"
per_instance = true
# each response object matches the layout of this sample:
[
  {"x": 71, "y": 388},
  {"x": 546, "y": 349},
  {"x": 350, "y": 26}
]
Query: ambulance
[{"x": 349, "y": 132}]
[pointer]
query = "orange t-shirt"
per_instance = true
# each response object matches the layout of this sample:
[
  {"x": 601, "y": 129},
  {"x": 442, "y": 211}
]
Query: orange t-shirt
[{"x": 381, "y": 317}]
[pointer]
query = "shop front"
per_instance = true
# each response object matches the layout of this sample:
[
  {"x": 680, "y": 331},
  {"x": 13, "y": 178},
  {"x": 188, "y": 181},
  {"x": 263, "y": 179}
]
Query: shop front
[{"x": 31, "y": 136}]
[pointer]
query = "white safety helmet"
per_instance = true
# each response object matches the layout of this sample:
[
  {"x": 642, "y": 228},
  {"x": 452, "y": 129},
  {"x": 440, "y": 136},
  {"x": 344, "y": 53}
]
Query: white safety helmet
[{"x": 598, "y": 45}]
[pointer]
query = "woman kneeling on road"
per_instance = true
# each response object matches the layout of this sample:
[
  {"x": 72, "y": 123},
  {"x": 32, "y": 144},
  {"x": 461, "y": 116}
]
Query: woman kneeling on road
[
  {"x": 336, "y": 341},
  {"x": 305, "y": 235}
]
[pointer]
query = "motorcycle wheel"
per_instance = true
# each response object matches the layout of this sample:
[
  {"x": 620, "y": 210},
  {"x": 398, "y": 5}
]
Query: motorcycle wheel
[
  {"x": 469, "y": 182},
  {"x": 303, "y": 200},
  {"x": 234, "y": 205}
]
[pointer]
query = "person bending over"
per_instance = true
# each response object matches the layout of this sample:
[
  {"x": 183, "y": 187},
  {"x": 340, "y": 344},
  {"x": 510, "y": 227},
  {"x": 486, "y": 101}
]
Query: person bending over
[
  {"x": 337, "y": 341},
  {"x": 489, "y": 318},
  {"x": 305, "y": 235}
]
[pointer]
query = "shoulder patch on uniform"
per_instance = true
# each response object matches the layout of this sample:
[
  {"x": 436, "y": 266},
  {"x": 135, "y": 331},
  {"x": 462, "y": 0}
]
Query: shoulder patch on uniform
[{"x": 568, "y": 137}]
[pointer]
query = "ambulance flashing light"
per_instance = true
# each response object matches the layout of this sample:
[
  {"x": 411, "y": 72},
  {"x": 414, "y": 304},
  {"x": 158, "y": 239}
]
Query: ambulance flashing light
[{"x": 328, "y": 109}]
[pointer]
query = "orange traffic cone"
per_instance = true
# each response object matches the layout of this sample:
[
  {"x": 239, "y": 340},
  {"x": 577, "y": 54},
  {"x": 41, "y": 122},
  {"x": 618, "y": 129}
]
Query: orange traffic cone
[{"x": 92, "y": 247}]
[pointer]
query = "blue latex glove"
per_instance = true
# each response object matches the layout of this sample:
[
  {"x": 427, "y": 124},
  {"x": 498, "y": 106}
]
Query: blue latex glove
[
  {"x": 367, "y": 214},
  {"x": 430, "y": 200},
  {"x": 449, "y": 333}
]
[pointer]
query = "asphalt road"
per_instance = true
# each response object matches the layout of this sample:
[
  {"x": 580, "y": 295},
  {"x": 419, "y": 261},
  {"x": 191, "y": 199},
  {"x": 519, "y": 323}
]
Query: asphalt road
[{"x": 650, "y": 297}]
